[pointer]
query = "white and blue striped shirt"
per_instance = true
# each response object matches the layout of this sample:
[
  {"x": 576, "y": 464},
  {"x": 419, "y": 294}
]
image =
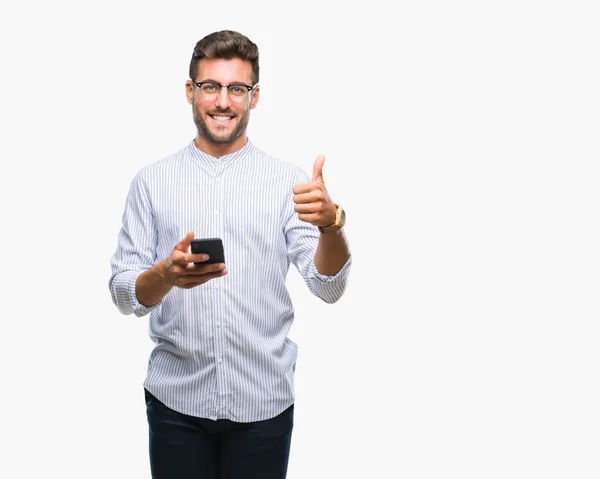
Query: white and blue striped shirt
[{"x": 221, "y": 349}]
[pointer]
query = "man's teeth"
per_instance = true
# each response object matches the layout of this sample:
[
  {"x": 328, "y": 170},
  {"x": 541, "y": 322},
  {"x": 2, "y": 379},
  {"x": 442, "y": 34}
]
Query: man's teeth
[{"x": 222, "y": 118}]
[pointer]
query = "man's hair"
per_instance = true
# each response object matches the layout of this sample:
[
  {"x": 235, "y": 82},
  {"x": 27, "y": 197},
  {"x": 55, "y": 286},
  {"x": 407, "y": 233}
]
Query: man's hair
[{"x": 225, "y": 44}]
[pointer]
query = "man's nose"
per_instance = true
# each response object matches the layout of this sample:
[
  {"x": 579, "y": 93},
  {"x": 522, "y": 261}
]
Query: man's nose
[{"x": 222, "y": 100}]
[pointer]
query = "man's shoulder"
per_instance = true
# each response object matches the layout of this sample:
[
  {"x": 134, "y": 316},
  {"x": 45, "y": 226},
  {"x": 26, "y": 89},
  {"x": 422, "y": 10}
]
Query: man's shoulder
[
  {"x": 167, "y": 163},
  {"x": 276, "y": 163}
]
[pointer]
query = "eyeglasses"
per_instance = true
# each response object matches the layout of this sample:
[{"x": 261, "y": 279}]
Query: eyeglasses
[{"x": 210, "y": 90}]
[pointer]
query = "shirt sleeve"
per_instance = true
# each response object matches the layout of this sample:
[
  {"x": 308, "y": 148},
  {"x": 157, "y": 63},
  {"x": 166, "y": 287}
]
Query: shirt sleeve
[
  {"x": 136, "y": 250},
  {"x": 302, "y": 240}
]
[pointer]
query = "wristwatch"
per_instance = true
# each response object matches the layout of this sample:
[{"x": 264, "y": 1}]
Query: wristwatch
[{"x": 340, "y": 221}]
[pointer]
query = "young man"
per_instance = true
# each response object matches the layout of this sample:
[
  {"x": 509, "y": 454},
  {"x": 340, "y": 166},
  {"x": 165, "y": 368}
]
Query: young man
[{"x": 219, "y": 389}]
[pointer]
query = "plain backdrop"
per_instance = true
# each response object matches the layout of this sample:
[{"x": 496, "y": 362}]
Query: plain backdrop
[{"x": 462, "y": 139}]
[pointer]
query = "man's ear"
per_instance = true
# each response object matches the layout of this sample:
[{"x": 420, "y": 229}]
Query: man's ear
[
  {"x": 255, "y": 96},
  {"x": 189, "y": 91}
]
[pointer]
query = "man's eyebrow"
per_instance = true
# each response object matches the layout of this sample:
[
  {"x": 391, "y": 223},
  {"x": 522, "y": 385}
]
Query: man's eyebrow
[{"x": 232, "y": 83}]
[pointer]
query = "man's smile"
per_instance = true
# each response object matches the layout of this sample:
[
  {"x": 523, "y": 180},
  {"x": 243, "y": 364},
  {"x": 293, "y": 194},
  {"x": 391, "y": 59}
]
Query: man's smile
[{"x": 221, "y": 119}]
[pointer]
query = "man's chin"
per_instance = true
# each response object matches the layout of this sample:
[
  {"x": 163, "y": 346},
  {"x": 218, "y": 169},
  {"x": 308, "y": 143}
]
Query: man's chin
[
  {"x": 213, "y": 136},
  {"x": 222, "y": 137},
  {"x": 221, "y": 140}
]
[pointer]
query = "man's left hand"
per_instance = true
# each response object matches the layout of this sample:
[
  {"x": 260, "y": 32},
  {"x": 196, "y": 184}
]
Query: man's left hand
[{"x": 312, "y": 201}]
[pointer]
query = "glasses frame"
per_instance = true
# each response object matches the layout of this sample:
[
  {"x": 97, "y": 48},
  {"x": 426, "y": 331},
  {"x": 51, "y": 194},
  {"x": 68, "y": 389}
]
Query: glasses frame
[{"x": 221, "y": 86}]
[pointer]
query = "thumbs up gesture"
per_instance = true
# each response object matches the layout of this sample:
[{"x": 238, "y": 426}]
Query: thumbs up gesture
[{"x": 312, "y": 201}]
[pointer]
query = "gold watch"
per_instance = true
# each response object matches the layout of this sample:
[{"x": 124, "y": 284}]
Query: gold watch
[{"x": 340, "y": 221}]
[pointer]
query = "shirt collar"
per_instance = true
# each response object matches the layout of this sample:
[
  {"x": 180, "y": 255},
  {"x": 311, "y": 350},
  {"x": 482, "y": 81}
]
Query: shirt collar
[{"x": 223, "y": 160}]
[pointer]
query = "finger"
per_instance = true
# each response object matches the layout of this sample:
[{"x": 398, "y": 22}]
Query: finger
[
  {"x": 303, "y": 188},
  {"x": 318, "y": 169},
  {"x": 183, "y": 259},
  {"x": 311, "y": 197},
  {"x": 196, "y": 258},
  {"x": 200, "y": 278},
  {"x": 194, "y": 269},
  {"x": 309, "y": 218},
  {"x": 184, "y": 244},
  {"x": 308, "y": 208}
]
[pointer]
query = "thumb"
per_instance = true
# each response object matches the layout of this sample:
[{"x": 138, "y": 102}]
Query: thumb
[
  {"x": 318, "y": 169},
  {"x": 184, "y": 244}
]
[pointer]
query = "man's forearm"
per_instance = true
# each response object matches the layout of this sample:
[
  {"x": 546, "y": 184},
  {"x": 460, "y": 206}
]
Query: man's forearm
[
  {"x": 332, "y": 253},
  {"x": 150, "y": 288}
]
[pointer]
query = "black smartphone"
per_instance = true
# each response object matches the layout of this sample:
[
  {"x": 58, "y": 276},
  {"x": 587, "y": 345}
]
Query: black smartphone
[{"x": 213, "y": 247}]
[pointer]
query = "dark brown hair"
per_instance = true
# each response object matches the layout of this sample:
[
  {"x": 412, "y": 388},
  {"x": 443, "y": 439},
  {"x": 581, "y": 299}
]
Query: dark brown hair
[{"x": 225, "y": 44}]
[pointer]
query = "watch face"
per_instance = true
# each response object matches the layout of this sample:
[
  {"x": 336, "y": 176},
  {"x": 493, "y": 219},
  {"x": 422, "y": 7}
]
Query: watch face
[{"x": 342, "y": 218}]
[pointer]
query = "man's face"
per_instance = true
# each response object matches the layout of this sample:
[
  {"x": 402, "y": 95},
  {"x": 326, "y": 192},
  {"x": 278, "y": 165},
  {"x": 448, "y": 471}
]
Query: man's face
[{"x": 222, "y": 119}]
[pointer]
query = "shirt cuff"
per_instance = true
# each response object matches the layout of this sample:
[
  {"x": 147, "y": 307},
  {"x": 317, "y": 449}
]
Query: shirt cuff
[
  {"x": 137, "y": 308},
  {"x": 330, "y": 279}
]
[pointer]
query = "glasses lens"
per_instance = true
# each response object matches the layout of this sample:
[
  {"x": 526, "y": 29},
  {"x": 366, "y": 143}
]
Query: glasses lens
[
  {"x": 237, "y": 92},
  {"x": 210, "y": 89}
]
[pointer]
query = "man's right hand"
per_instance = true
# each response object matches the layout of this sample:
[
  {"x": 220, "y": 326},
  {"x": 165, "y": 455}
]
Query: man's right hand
[{"x": 178, "y": 269}]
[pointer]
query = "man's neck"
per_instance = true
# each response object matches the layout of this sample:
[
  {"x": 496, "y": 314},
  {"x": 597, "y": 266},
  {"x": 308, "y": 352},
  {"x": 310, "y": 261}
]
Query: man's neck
[{"x": 218, "y": 150}]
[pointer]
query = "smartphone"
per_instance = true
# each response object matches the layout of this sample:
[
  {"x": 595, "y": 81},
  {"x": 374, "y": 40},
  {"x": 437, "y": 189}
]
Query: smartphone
[{"x": 213, "y": 247}]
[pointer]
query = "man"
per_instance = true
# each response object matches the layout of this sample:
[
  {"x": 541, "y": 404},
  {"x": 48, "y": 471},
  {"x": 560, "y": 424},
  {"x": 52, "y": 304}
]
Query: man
[{"x": 219, "y": 389}]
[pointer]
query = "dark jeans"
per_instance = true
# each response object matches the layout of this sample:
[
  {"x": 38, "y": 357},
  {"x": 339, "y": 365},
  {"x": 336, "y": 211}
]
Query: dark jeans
[{"x": 187, "y": 447}]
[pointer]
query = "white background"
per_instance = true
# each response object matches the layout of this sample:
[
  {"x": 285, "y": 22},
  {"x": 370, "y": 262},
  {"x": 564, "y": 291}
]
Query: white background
[{"x": 462, "y": 138}]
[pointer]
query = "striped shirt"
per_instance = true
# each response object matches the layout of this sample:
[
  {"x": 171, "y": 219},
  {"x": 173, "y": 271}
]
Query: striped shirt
[{"x": 221, "y": 349}]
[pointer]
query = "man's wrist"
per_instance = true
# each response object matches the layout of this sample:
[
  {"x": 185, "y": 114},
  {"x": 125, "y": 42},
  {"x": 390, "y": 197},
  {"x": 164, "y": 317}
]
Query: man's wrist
[
  {"x": 158, "y": 271},
  {"x": 338, "y": 223},
  {"x": 332, "y": 231}
]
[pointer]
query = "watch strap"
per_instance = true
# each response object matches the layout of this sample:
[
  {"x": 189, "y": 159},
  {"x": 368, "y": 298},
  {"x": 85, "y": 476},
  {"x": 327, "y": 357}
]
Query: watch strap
[{"x": 336, "y": 226}]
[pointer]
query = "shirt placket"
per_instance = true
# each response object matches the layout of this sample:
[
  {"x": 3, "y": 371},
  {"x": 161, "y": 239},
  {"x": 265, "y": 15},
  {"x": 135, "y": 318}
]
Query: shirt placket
[{"x": 217, "y": 292}]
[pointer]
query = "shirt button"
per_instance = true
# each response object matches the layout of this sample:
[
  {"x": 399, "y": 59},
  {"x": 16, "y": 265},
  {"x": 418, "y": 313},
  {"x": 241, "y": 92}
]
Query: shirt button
[
  {"x": 216, "y": 213},
  {"x": 220, "y": 360},
  {"x": 218, "y": 325}
]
